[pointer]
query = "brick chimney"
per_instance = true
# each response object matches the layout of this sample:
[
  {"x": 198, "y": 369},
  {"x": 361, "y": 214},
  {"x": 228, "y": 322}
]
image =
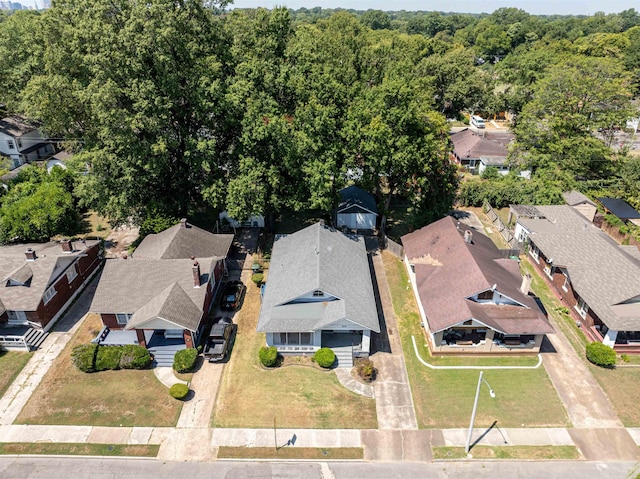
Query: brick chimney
[
  {"x": 67, "y": 246},
  {"x": 183, "y": 223},
  {"x": 526, "y": 284},
  {"x": 468, "y": 236},
  {"x": 30, "y": 254},
  {"x": 196, "y": 274}
]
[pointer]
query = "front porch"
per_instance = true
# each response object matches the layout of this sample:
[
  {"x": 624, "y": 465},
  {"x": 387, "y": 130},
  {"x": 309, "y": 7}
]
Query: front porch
[
  {"x": 482, "y": 341},
  {"x": 161, "y": 347}
]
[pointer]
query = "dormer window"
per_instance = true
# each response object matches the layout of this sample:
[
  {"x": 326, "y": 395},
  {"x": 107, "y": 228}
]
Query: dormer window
[
  {"x": 318, "y": 294},
  {"x": 11, "y": 145},
  {"x": 485, "y": 295}
]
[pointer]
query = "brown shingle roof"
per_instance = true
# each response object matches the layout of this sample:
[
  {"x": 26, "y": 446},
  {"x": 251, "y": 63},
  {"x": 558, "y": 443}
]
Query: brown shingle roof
[
  {"x": 449, "y": 270},
  {"x": 183, "y": 242},
  {"x": 16, "y": 126},
  {"x": 468, "y": 144}
]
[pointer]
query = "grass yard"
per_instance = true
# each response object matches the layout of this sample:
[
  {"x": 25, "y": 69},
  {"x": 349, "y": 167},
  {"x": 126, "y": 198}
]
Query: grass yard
[
  {"x": 227, "y": 452},
  {"x": 68, "y": 396},
  {"x": 79, "y": 449},
  {"x": 11, "y": 363},
  {"x": 94, "y": 226},
  {"x": 624, "y": 399},
  {"x": 444, "y": 398},
  {"x": 295, "y": 396},
  {"x": 509, "y": 452},
  {"x": 489, "y": 229}
]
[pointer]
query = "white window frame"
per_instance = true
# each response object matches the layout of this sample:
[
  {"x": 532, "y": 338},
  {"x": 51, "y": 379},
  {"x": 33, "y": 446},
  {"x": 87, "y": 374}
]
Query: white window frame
[
  {"x": 565, "y": 285},
  {"x": 48, "y": 294},
  {"x": 19, "y": 142},
  {"x": 581, "y": 308},
  {"x": 548, "y": 270},
  {"x": 11, "y": 144},
  {"x": 72, "y": 273},
  {"x": 318, "y": 294},
  {"x": 120, "y": 316},
  {"x": 534, "y": 252}
]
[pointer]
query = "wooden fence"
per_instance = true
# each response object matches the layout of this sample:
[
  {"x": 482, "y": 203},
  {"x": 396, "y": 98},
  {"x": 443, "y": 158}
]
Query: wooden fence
[
  {"x": 394, "y": 248},
  {"x": 503, "y": 229}
]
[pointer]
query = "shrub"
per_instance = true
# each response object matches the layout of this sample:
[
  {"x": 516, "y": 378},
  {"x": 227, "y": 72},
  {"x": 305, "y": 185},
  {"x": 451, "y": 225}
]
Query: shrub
[
  {"x": 325, "y": 357},
  {"x": 624, "y": 357},
  {"x": 179, "y": 390},
  {"x": 257, "y": 278},
  {"x": 601, "y": 355},
  {"x": 185, "y": 360},
  {"x": 83, "y": 356},
  {"x": 268, "y": 356},
  {"x": 365, "y": 369},
  {"x": 108, "y": 357},
  {"x": 134, "y": 357}
]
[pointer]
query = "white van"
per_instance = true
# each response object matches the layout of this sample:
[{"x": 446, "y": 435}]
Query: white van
[{"x": 477, "y": 121}]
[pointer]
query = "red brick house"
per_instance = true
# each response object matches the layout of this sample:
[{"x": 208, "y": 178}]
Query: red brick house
[
  {"x": 40, "y": 280},
  {"x": 596, "y": 278},
  {"x": 471, "y": 299},
  {"x": 160, "y": 297}
]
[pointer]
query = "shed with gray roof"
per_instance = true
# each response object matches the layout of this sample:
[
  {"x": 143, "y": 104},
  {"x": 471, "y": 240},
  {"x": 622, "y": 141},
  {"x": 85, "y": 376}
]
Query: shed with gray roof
[
  {"x": 357, "y": 209},
  {"x": 318, "y": 292}
]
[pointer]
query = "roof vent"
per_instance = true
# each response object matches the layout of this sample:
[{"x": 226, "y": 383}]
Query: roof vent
[
  {"x": 468, "y": 236},
  {"x": 183, "y": 223}
]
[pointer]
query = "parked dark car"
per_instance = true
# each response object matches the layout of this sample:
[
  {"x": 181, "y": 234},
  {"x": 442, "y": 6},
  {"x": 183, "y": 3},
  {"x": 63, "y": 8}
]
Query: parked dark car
[
  {"x": 219, "y": 341},
  {"x": 232, "y": 295}
]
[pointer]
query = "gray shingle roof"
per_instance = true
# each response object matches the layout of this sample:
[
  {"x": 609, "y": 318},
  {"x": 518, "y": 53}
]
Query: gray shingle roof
[
  {"x": 51, "y": 262},
  {"x": 601, "y": 272},
  {"x": 468, "y": 144},
  {"x": 172, "y": 304},
  {"x": 449, "y": 270},
  {"x": 16, "y": 126},
  {"x": 127, "y": 286},
  {"x": 183, "y": 242},
  {"x": 354, "y": 199},
  {"x": 318, "y": 258},
  {"x": 574, "y": 197}
]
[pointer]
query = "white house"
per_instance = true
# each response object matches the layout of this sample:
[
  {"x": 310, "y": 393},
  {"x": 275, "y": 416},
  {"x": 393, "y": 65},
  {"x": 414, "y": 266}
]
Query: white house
[
  {"x": 22, "y": 141},
  {"x": 319, "y": 294}
]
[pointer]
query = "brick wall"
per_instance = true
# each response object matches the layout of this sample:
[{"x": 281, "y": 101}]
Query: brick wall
[{"x": 110, "y": 321}]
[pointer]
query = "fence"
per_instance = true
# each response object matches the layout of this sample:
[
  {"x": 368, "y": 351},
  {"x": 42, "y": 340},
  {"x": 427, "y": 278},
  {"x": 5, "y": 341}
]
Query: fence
[
  {"x": 504, "y": 231},
  {"x": 394, "y": 248}
]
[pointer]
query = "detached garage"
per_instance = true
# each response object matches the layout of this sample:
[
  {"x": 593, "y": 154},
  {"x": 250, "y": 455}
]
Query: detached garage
[{"x": 357, "y": 209}]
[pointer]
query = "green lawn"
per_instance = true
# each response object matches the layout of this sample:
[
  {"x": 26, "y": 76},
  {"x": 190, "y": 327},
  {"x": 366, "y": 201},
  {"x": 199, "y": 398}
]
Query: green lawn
[
  {"x": 294, "y": 396},
  {"x": 11, "y": 363},
  {"x": 509, "y": 452},
  {"x": 68, "y": 396},
  {"x": 79, "y": 449},
  {"x": 444, "y": 398}
]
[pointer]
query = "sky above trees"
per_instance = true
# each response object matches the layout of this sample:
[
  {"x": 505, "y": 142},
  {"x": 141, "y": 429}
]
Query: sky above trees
[{"x": 537, "y": 7}]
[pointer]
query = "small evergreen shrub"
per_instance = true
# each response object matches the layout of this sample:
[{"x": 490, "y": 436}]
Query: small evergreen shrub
[
  {"x": 365, "y": 369},
  {"x": 601, "y": 355},
  {"x": 185, "y": 360},
  {"x": 325, "y": 357},
  {"x": 83, "y": 357},
  {"x": 134, "y": 356},
  {"x": 257, "y": 278},
  {"x": 179, "y": 390},
  {"x": 624, "y": 357},
  {"x": 268, "y": 356},
  {"x": 108, "y": 357}
]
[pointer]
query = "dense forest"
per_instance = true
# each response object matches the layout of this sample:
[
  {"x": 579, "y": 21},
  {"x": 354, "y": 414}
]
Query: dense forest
[{"x": 172, "y": 106}]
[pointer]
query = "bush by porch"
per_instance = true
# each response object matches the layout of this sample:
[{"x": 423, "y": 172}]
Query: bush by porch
[
  {"x": 68, "y": 396},
  {"x": 443, "y": 398},
  {"x": 297, "y": 396}
]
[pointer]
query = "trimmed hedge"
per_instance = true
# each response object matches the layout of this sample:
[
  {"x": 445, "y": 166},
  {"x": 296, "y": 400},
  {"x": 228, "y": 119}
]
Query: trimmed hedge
[
  {"x": 185, "y": 360},
  {"x": 134, "y": 356},
  {"x": 325, "y": 357},
  {"x": 179, "y": 391},
  {"x": 268, "y": 356},
  {"x": 92, "y": 357},
  {"x": 257, "y": 278},
  {"x": 601, "y": 355},
  {"x": 83, "y": 356}
]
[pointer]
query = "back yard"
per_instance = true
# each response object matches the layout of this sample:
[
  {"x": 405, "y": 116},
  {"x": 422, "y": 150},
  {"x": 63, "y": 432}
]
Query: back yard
[
  {"x": 295, "y": 396},
  {"x": 444, "y": 398},
  {"x": 66, "y": 395}
]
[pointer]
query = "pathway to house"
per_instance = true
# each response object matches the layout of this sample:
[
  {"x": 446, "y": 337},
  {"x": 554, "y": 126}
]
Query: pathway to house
[
  {"x": 394, "y": 404},
  {"x": 31, "y": 375}
]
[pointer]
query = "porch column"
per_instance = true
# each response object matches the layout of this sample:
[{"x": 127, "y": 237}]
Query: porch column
[
  {"x": 488, "y": 344},
  {"x": 366, "y": 341},
  {"x": 538, "y": 340},
  {"x": 610, "y": 338},
  {"x": 437, "y": 338},
  {"x": 188, "y": 338},
  {"x": 141, "y": 339}
]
